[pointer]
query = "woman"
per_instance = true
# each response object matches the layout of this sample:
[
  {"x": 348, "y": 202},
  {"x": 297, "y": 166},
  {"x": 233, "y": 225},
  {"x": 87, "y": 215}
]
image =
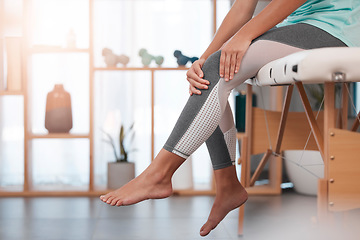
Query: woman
[{"x": 241, "y": 46}]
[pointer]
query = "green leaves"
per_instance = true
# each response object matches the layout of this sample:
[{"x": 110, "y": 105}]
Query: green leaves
[{"x": 123, "y": 157}]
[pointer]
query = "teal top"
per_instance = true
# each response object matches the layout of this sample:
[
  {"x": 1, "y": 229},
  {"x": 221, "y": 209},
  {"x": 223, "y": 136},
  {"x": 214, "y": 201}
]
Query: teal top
[{"x": 340, "y": 18}]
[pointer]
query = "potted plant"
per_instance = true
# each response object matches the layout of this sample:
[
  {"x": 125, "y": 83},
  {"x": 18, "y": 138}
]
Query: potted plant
[{"x": 121, "y": 170}]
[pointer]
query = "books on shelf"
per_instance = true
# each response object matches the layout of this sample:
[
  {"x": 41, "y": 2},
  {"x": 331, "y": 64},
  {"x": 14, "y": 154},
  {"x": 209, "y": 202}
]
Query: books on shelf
[{"x": 13, "y": 62}]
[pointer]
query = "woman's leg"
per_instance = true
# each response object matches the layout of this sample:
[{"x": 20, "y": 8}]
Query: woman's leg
[
  {"x": 222, "y": 143},
  {"x": 203, "y": 113},
  {"x": 198, "y": 121},
  {"x": 230, "y": 194}
]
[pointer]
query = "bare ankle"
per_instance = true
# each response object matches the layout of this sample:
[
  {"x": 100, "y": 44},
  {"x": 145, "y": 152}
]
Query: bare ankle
[{"x": 157, "y": 176}]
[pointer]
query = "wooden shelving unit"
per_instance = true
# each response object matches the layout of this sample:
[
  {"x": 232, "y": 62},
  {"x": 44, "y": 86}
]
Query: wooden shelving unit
[
  {"x": 9, "y": 93},
  {"x": 27, "y": 189},
  {"x": 35, "y": 50},
  {"x": 153, "y": 69},
  {"x": 59, "y": 135}
]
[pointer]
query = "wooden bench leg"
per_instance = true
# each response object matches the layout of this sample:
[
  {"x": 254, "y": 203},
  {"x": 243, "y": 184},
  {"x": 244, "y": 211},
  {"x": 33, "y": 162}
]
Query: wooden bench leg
[
  {"x": 344, "y": 106},
  {"x": 356, "y": 123},
  {"x": 248, "y": 131},
  {"x": 260, "y": 167},
  {"x": 245, "y": 151},
  {"x": 329, "y": 122},
  {"x": 311, "y": 119},
  {"x": 280, "y": 135},
  {"x": 241, "y": 220},
  {"x": 283, "y": 119},
  {"x": 322, "y": 199}
]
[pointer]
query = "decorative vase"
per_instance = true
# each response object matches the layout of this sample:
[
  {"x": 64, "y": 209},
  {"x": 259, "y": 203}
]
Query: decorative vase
[
  {"x": 120, "y": 173},
  {"x": 58, "y": 116}
]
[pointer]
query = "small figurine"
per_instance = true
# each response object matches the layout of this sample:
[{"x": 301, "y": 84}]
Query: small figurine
[
  {"x": 112, "y": 60},
  {"x": 182, "y": 60},
  {"x": 146, "y": 58}
]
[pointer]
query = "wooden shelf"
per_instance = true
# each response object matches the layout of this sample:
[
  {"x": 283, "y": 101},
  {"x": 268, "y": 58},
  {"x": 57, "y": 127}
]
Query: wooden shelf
[
  {"x": 140, "y": 68},
  {"x": 12, "y": 189},
  {"x": 15, "y": 93},
  {"x": 192, "y": 192},
  {"x": 51, "y": 191},
  {"x": 34, "y": 193},
  {"x": 35, "y": 50},
  {"x": 59, "y": 135},
  {"x": 59, "y": 188}
]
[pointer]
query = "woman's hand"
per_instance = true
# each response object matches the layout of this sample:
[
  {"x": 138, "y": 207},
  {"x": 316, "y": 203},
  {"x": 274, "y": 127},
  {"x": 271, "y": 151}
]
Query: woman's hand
[
  {"x": 232, "y": 53},
  {"x": 195, "y": 77}
]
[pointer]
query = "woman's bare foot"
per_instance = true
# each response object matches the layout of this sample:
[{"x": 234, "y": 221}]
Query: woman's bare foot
[
  {"x": 153, "y": 183},
  {"x": 228, "y": 197},
  {"x": 143, "y": 187},
  {"x": 223, "y": 204}
]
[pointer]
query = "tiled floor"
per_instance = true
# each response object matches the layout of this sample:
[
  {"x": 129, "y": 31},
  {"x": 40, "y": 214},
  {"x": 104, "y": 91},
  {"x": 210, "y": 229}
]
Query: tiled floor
[{"x": 290, "y": 216}]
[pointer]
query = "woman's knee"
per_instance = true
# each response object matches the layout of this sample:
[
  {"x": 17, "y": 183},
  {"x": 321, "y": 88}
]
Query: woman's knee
[{"x": 211, "y": 67}]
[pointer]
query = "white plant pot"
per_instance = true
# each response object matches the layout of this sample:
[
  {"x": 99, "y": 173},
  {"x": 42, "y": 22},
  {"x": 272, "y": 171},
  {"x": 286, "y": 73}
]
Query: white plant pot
[
  {"x": 120, "y": 173},
  {"x": 304, "y": 171}
]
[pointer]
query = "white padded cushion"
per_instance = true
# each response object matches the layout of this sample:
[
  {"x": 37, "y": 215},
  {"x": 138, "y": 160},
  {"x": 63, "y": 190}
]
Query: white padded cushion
[{"x": 313, "y": 66}]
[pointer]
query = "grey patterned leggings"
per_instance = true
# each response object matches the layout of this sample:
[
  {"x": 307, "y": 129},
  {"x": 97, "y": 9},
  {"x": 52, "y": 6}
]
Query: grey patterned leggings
[{"x": 208, "y": 117}]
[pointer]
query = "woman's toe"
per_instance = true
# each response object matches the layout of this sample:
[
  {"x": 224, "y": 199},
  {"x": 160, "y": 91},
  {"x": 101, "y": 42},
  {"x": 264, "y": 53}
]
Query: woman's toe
[
  {"x": 119, "y": 203},
  {"x": 109, "y": 200},
  {"x": 114, "y": 201}
]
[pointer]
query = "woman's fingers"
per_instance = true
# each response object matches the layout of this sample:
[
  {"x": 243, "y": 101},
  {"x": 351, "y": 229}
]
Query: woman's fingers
[
  {"x": 198, "y": 71},
  {"x": 232, "y": 66},
  {"x": 227, "y": 65},
  {"x": 231, "y": 56},
  {"x": 195, "y": 77},
  {"x": 238, "y": 61},
  {"x": 222, "y": 64},
  {"x": 197, "y": 84},
  {"x": 193, "y": 90}
]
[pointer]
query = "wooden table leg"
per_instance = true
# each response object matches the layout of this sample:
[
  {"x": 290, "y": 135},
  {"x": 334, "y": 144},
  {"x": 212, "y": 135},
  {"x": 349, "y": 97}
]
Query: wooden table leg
[
  {"x": 356, "y": 123},
  {"x": 329, "y": 122},
  {"x": 248, "y": 132},
  {"x": 344, "y": 106},
  {"x": 311, "y": 119},
  {"x": 280, "y": 136},
  {"x": 245, "y": 164},
  {"x": 241, "y": 220}
]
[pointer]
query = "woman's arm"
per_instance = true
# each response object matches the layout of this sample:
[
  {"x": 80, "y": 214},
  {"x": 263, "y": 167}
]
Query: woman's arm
[
  {"x": 235, "y": 35},
  {"x": 240, "y": 13},
  {"x": 233, "y": 51}
]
